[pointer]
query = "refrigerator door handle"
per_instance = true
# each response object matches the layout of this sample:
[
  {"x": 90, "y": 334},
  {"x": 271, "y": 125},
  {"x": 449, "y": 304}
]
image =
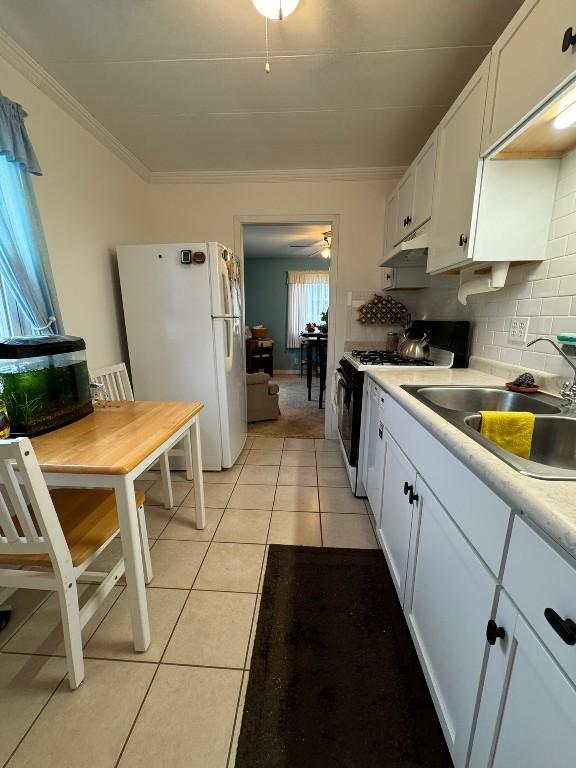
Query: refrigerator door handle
[
  {"x": 224, "y": 287},
  {"x": 229, "y": 343}
]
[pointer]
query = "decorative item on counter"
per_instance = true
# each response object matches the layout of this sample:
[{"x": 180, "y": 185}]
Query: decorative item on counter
[
  {"x": 524, "y": 383},
  {"x": 4, "y": 421},
  {"x": 392, "y": 341},
  {"x": 310, "y": 327},
  {"x": 383, "y": 310},
  {"x": 259, "y": 332},
  {"x": 323, "y": 327}
]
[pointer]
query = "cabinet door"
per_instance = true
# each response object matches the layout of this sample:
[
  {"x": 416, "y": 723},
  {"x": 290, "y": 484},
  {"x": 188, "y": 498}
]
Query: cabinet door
[
  {"x": 528, "y": 65},
  {"x": 527, "y": 714},
  {"x": 424, "y": 177},
  {"x": 376, "y": 450},
  {"x": 397, "y": 512},
  {"x": 406, "y": 204},
  {"x": 457, "y": 175},
  {"x": 391, "y": 236},
  {"x": 448, "y": 603}
]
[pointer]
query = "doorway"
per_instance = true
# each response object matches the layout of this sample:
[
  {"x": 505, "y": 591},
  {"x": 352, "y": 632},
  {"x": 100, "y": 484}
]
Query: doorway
[{"x": 289, "y": 269}]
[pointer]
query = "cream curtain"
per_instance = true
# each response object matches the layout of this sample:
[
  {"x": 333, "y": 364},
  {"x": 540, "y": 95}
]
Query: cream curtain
[{"x": 307, "y": 297}]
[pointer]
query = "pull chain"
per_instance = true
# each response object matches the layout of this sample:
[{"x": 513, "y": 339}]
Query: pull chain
[{"x": 267, "y": 65}]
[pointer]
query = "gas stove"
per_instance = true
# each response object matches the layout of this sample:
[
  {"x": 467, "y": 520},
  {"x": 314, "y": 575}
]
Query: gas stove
[
  {"x": 363, "y": 360},
  {"x": 448, "y": 348}
]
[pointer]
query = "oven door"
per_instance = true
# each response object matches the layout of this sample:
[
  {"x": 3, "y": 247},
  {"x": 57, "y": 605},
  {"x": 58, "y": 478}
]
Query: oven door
[{"x": 348, "y": 400}]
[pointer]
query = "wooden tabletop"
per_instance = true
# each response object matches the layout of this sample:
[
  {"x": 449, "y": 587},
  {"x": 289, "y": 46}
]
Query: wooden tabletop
[{"x": 114, "y": 439}]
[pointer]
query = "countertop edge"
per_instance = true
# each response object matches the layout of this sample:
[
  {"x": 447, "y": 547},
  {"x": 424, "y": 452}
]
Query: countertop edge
[{"x": 539, "y": 500}]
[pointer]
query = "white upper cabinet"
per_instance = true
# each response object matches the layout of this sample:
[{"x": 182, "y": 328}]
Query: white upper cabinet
[
  {"x": 391, "y": 236},
  {"x": 529, "y": 62},
  {"x": 424, "y": 177},
  {"x": 416, "y": 189},
  {"x": 458, "y": 174},
  {"x": 410, "y": 205}
]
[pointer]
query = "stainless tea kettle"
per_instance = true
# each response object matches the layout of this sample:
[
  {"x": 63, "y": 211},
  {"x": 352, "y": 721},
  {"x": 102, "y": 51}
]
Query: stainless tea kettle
[{"x": 414, "y": 349}]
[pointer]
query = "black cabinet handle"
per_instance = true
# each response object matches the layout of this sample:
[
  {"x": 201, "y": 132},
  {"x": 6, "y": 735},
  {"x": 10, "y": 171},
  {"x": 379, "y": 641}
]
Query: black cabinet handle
[
  {"x": 406, "y": 489},
  {"x": 493, "y": 632},
  {"x": 565, "y": 628},
  {"x": 568, "y": 40},
  {"x": 462, "y": 240},
  {"x": 413, "y": 496},
  {"x": 408, "y": 219}
]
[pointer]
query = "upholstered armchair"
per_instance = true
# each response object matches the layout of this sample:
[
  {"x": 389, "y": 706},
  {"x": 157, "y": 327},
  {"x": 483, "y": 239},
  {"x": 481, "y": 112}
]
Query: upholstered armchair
[{"x": 262, "y": 397}]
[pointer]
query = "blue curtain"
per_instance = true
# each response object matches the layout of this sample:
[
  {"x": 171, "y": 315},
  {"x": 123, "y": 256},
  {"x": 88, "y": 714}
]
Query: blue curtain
[{"x": 24, "y": 264}]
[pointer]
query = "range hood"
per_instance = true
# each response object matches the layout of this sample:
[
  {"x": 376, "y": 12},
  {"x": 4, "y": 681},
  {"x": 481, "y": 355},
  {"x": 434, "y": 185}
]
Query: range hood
[{"x": 411, "y": 252}]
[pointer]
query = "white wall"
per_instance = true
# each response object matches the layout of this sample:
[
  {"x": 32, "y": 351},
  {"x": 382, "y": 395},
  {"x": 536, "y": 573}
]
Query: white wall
[
  {"x": 544, "y": 292},
  {"x": 184, "y": 212},
  {"x": 89, "y": 201}
]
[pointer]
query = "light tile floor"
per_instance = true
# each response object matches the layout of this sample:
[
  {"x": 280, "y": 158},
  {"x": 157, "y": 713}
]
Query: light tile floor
[{"x": 180, "y": 703}]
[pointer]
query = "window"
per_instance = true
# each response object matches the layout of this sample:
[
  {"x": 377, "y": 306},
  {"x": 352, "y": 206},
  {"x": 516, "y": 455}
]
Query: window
[
  {"x": 27, "y": 297},
  {"x": 308, "y": 297}
]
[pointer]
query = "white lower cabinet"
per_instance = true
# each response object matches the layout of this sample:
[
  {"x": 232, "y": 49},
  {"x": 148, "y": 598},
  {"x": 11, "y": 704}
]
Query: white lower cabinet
[
  {"x": 396, "y": 514},
  {"x": 504, "y": 688},
  {"x": 527, "y": 717},
  {"x": 448, "y": 602}
]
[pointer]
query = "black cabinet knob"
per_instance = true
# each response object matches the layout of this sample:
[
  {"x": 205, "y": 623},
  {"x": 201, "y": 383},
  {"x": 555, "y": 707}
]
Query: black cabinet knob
[
  {"x": 568, "y": 40},
  {"x": 565, "y": 628},
  {"x": 413, "y": 496},
  {"x": 462, "y": 240},
  {"x": 406, "y": 489},
  {"x": 408, "y": 219},
  {"x": 493, "y": 632}
]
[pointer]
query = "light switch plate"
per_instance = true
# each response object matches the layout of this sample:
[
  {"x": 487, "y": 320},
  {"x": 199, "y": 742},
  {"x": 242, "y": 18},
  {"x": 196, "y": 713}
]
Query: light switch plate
[{"x": 518, "y": 330}]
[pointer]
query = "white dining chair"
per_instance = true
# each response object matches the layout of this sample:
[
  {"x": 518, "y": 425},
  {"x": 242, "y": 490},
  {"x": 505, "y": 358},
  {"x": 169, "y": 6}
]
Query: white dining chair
[
  {"x": 48, "y": 542},
  {"x": 115, "y": 384}
]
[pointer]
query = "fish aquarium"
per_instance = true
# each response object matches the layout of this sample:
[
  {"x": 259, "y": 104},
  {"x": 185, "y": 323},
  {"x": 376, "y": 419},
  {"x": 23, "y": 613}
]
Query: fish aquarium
[{"x": 44, "y": 382}]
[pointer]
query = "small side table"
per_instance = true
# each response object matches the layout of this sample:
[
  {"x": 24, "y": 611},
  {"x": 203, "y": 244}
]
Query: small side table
[{"x": 260, "y": 356}]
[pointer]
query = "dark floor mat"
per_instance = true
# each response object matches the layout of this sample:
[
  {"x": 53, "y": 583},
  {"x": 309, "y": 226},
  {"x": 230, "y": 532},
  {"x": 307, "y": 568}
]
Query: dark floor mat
[{"x": 334, "y": 678}]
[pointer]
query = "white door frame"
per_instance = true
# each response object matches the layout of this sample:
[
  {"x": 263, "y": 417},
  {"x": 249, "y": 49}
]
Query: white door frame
[{"x": 328, "y": 218}]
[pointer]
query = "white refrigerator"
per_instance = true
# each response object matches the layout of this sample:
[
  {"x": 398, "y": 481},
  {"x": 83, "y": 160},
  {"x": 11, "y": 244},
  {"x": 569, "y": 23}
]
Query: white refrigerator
[{"x": 184, "y": 324}]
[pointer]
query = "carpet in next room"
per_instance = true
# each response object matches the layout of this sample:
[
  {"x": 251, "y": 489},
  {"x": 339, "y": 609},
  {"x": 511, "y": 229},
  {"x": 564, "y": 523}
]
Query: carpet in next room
[{"x": 335, "y": 681}]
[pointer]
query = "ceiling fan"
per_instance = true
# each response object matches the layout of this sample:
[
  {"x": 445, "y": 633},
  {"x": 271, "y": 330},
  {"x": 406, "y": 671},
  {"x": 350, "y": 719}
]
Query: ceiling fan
[{"x": 324, "y": 246}]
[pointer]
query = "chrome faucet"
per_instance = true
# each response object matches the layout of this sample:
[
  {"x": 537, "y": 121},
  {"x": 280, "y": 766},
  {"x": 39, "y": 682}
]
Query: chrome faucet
[{"x": 568, "y": 391}]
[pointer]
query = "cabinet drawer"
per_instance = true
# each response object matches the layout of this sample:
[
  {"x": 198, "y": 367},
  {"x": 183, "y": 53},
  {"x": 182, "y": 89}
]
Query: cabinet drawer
[
  {"x": 481, "y": 515},
  {"x": 537, "y": 577}
]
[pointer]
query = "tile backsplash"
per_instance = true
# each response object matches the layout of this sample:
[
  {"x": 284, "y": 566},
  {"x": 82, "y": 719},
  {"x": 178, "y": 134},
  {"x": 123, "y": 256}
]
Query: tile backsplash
[{"x": 544, "y": 292}]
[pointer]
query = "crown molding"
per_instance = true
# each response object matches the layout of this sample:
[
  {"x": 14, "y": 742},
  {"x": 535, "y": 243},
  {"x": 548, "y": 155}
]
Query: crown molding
[
  {"x": 281, "y": 176},
  {"x": 38, "y": 76}
]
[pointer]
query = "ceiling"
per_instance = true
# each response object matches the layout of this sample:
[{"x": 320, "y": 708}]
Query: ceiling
[
  {"x": 181, "y": 83},
  {"x": 262, "y": 241}
]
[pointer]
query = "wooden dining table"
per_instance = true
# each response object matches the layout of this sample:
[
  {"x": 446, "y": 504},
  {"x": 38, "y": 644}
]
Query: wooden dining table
[
  {"x": 314, "y": 341},
  {"x": 111, "y": 448}
]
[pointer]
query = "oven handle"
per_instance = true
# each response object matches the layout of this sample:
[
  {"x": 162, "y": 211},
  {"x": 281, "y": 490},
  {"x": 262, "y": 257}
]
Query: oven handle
[{"x": 346, "y": 382}]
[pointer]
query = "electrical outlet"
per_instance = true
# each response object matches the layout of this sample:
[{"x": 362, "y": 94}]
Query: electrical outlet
[{"x": 518, "y": 330}]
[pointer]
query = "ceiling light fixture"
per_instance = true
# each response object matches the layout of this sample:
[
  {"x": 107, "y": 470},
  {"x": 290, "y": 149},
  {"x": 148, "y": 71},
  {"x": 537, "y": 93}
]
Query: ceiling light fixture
[
  {"x": 326, "y": 252},
  {"x": 276, "y": 10},
  {"x": 566, "y": 118}
]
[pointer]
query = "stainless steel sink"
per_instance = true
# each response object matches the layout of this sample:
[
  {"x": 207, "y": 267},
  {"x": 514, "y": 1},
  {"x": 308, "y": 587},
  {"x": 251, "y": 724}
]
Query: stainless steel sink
[
  {"x": 473, "y": 399},
  {"x": 553, "y": 453},
  {"x": 553, "y": 442}
]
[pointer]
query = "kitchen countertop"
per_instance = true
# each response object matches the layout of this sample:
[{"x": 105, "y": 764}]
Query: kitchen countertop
[{"x": 550, "y": 504}]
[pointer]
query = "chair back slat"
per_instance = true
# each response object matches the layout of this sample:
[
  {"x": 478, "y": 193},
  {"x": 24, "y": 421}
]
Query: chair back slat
[
  {"x": 18, "y": 502},
  {"x": 8, "y": 532},
  {"x": 28, "y": 527},
  {"x": 115, "y": 380}
]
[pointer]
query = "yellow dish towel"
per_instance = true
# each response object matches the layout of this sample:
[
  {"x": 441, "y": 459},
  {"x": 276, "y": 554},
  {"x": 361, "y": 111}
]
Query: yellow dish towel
[{"x": 511, "y": 430}]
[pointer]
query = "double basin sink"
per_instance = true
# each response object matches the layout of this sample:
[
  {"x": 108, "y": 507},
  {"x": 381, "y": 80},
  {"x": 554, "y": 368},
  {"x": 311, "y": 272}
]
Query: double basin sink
[{"x": 553, "y": 452}]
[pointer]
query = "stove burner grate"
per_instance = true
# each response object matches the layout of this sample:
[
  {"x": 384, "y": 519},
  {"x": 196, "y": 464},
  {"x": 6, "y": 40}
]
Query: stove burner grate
[{"x": 381, "y": 357}]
